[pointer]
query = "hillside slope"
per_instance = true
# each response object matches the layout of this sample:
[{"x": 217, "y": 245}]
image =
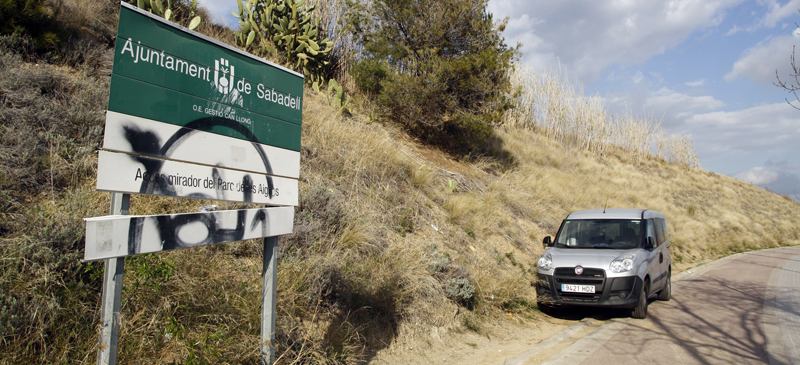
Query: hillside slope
[{"x": 394, "y": 240}]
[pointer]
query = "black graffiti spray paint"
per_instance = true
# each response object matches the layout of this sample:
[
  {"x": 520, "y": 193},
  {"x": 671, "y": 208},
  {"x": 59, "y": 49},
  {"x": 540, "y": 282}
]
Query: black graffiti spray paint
[
  {"x": 169, "y": 228},
  {"x": 148, "y": 143}
]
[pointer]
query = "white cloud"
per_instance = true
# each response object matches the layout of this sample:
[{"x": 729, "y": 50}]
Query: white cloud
[
  {"x": 778, "y": 12},
  {"x": 638, "y": 77},
  {"x": 697, "y": 83},
  {"x": 666, "y": 99},
  {"x": 760, "y": 62},
  {"x": 764, "y": 128},
  {"x": 671, "y": 107},
  {"x": 734, "y": 30},
  {"x": 657, "y": 76},
  {"x": 779, "y": 182},
  {"x": 772, "y": 128},
  {"x": 757, "y": 176},
  {"x": 220, "y": 11},
  {"x": 590, "y": 36}
]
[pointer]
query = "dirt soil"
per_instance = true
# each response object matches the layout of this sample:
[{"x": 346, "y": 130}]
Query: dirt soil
[{"x": 495, "y": 343}]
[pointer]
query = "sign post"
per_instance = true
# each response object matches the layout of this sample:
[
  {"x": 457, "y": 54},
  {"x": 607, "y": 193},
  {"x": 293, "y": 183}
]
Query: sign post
[
  {"x": 191, "y": 117},
  {"x": 269, "y": 297},
  {"x": 112, "y": 294}
]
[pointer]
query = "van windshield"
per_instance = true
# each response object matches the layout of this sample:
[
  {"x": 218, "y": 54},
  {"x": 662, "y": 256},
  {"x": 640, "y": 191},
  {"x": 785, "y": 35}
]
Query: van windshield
[{"x": 600, "y": 233}]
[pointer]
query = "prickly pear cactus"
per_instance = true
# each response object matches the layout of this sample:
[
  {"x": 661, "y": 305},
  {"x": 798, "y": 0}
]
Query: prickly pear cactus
[
  {"x": 157, "y": 7},
  {"x": 340, "y": 100},
  {"x": 283, "y": 27}
]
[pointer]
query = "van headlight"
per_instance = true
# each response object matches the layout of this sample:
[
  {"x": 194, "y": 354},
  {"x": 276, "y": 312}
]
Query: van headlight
[
  {"x": 545, "y": 261},
  {"x": 622, "y": 263}
]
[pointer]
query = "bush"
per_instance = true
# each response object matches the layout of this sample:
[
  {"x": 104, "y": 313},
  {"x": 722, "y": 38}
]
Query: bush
[
  {"x": 461, "y": 291},
  {"x": 29, "y": 17},
  {"x": 445, "y": 81},
  {"x": 368, "y": 75}
]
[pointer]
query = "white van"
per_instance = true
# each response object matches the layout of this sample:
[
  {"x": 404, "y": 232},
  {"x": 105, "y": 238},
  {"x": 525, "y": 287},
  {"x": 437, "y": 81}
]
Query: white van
[{"x": 615, "y": 258}]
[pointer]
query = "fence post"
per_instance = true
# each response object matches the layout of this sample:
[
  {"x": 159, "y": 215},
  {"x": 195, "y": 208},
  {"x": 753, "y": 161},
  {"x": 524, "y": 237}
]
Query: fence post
[
  {"x": 112, "y": 294},
  {"x": 269, "y": 295}
]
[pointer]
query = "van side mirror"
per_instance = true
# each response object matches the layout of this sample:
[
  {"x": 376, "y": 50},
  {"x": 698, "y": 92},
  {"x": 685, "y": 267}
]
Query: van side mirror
[
  {"x": 547, "y": 242},
  {"x": 651, "y": 244}
]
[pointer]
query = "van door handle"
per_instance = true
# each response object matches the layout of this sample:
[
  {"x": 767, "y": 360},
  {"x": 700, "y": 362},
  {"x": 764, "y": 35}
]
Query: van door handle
[{"x": 660, "y": 257}]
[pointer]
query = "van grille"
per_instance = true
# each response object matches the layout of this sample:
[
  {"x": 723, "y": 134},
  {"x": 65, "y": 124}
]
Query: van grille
[{"x": 590, "y": 276}]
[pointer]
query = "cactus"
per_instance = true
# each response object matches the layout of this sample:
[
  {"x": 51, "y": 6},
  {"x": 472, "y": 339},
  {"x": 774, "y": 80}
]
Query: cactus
[
  {"x": 283, "y": 27},
  {"x": 340, "y": 101},
  {"x": 157, "y": 7},
  {"x": 451, "y": 186}
]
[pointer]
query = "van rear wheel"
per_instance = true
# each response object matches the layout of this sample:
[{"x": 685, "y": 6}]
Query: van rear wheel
[{"x": 640, "y": 310}]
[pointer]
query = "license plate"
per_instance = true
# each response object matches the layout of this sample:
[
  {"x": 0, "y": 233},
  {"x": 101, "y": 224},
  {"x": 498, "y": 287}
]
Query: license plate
[{"x": 577, "y": 288}]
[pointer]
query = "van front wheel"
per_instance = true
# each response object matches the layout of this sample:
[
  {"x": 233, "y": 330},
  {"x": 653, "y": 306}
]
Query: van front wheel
[{"x": 640, "y": 311}]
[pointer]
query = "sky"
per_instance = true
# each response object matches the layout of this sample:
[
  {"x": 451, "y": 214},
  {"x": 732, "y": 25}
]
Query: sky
[{"x": 704, "y": 67}]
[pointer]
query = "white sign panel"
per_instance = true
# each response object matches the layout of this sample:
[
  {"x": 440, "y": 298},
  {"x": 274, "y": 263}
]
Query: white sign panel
[
  {"x": 123, "y": 235},
  {"x": 136, "y": 174},
  {"x": 126, "y": 133}
]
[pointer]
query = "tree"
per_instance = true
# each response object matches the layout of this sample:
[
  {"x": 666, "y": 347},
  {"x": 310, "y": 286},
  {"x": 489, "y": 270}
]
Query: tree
[
  {"x": 793, "y": 86},
  {"x": 438, "y": 67}
]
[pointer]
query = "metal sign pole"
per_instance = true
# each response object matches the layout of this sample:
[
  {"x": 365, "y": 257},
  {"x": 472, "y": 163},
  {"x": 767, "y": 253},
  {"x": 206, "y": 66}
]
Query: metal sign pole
[
  {"x": 269, "y": 296},
  {"x": 112, "y": 294}
]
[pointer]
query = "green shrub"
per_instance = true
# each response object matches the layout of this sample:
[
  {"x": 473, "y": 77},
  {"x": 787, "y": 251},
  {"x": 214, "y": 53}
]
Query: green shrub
[
  {"x": 368, "y": 75},
  {"x": 439, "y": 262},
  {"x": 461, "y": 291},
  {"x": 30, "y": 17},
  {"x": 445, "y": 81}
]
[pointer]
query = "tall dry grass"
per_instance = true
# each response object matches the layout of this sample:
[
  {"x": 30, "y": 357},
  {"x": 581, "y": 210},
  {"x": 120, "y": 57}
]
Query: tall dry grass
[
  {"x": 551, "y": 104},
  {"x": 394, "y": 241}
]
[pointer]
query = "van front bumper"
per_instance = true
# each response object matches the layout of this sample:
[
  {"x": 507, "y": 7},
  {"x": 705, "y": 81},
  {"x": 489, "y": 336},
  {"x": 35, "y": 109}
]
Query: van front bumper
[{"x": 616, "y": 292}]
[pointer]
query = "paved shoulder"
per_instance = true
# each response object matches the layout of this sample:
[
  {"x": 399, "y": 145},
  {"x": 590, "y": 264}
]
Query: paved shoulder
[{"x": 782, "y": 313}]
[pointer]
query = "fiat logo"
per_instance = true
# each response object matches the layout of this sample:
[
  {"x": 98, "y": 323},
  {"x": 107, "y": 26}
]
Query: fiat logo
[{"x": 578, "y": 270}]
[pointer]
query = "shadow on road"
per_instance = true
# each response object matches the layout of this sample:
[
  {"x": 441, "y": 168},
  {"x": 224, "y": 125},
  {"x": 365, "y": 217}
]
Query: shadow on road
[
  {"x": 713, "y": 319},
  {"x": 579, "y": 313}
]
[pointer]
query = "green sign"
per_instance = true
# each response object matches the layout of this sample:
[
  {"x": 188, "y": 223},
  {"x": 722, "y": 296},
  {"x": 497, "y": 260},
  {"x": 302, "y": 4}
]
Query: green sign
[{"x": 167, "y": 73}]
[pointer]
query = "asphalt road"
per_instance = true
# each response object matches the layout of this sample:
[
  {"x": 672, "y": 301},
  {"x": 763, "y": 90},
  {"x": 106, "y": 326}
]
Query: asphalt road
[{"x": 744, "y": 309}]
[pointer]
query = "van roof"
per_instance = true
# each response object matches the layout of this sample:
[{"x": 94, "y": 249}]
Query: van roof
[{"x": 615, "y": 214}]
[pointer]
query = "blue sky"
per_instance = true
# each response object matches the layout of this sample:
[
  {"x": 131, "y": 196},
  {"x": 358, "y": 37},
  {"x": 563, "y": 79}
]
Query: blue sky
[{"x": 705, "y": 68}]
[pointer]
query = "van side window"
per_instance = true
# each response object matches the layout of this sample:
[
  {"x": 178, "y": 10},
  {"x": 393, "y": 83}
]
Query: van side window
[
  {"x": 664, "y": 230},
  {"x": 660, "y": 234},
  {"x": 651, "y": 230}
]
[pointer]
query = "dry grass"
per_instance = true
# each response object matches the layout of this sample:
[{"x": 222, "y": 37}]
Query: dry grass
[
  {"x": 384, "y": 228},
  {"x": 550, "y": 104}
]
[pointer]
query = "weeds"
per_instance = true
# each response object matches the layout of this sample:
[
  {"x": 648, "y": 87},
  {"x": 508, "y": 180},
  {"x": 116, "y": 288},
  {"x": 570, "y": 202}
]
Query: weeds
[
  {"x": 391, "y": 237},
  {"x": 550, "y": 104},
  {"x": 460, "y": 290}
]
